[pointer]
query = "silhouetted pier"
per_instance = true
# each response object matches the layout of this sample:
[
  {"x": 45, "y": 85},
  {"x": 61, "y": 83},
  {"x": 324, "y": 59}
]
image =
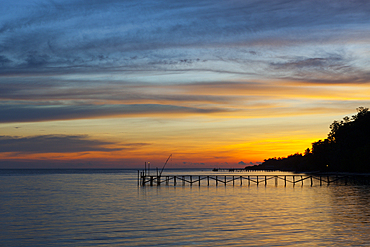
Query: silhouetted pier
[{"x": 252, "y": 179}]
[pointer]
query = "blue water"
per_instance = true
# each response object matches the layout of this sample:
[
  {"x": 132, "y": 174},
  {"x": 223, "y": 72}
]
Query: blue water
[{"x": 107, "y": 208}]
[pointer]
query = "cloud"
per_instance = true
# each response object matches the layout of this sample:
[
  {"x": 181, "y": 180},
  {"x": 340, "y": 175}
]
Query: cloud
[
  {"x": 317, "y": 62},
  {"x": 32, "y": 113},
  {"x": 242, "y": 163},
  {"x": 85, "y": 36},
  {"x": 330, "y": 69},
  {"x": 55, "y": 144}
]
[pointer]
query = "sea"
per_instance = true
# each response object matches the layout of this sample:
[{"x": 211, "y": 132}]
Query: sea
[{"x": 100, "y": 207}]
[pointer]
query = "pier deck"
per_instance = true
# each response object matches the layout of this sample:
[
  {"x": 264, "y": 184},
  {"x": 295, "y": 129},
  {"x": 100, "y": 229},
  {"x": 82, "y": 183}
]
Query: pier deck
[{"x": 252, "y": 179}]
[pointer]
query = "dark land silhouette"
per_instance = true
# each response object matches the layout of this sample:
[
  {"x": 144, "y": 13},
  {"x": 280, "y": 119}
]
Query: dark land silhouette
[{"x": 346, "y": 149}]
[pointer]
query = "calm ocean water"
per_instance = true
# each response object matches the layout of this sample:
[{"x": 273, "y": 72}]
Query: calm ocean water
[{"x": 107, "y": 208}]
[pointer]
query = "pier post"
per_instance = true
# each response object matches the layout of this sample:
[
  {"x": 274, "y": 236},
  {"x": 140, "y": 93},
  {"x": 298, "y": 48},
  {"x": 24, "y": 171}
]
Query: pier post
[
  {"x": 265, "y": 180},
  {"x": 225, "y": 180},
  {"x": 191, "y": 180},
  {"x": 249, "y": 181},
  {"x": 302, "y": 180},
  {"x": 320, "y": 181},
  {"x": 174, "y": 181},
  {"x": 158, "y": 180},
  {"x": 151, "y": 180},
  {"x": 285, "y": 181},
  {"x": 233, "y": 180},
  {"x": 167, "y": 179},
  {"x": 183, "y": 181},
  {"x": 142, "y": 177},
  {"x": 293, "y": 180},
  {"x": 276, "y": 181},
  {"x": 208, "y": 180},
  {"x": 257, "y": 180},
  {"x": 328, "y": 180},
  {"x": 199, "y": 181},
  {"x": 216, "y": 181},
  {"x": 311, "y": 181},
  {"x": 241, "y": 180}
]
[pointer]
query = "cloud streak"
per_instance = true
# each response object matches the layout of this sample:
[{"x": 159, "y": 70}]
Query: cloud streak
[
  {"x": 53, "y": 144},
  {"x": 16, "y": 113}
]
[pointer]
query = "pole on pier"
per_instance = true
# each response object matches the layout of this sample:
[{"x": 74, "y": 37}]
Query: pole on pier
[
  {"x": 208, "y": 180},
  {"x": 174, "y": 181},
  {"x": 302, "y": 180},
  {"x": 199, "y": 181},
  {"x": 143, "y": 177},
  {"x": 160, "y": 174},
  {"x": 225, "y": 180},
  {"x": 285, "y": 181},
  {"x": 311, "y": 181},
  {"x": 249, "y": 180},
  {"x": 145, "y": 169},
  {"x": 257, "y": 180},
  {"x": 191, "y": 180},
  {"x": 183, "y": 181},
  {"x": 241, "y": 180},
  {"x": 293, "y": 180},
  {"x": 276, "y": 181},
  {"x": 216, "y": 181},
  {"x": 233, "y": 181},
  {"x": 158, "y": 178},
  {"x": 320, "y": 181},
  {"x": 328, "y": 180},
  {"x": 265, "y": 181},
  {"x": 151, "y": 180}
]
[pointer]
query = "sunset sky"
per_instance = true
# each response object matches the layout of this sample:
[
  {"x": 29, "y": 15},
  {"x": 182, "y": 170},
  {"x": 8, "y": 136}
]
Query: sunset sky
[{"x": 113, "y": 84}]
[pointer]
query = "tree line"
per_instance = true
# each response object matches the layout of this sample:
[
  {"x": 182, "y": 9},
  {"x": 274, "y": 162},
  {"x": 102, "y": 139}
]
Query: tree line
[{"x": 346, "y": 149}]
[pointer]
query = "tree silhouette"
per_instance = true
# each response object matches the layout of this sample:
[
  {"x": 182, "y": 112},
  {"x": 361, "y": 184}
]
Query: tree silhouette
[{"x": 346, "y": 149}]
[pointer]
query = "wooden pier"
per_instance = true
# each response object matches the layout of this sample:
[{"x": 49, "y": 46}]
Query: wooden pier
[{"x": 252, "y": 179}]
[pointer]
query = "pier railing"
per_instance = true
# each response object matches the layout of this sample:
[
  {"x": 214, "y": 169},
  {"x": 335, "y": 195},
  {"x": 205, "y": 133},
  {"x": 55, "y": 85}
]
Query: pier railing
[{"x": 304, "y": 179}]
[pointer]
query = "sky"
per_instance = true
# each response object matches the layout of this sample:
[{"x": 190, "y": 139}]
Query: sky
[{"x": 115, "y": 84}]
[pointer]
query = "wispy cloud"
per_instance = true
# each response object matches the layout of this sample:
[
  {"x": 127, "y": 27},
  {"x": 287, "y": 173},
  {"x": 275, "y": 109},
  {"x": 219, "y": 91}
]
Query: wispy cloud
[{"x": 85, "y": 35}]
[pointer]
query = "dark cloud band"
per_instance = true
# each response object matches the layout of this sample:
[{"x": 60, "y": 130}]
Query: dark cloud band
[
  {"x": 53, "y": 144},
  {"x": 19, "y": 113}
]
